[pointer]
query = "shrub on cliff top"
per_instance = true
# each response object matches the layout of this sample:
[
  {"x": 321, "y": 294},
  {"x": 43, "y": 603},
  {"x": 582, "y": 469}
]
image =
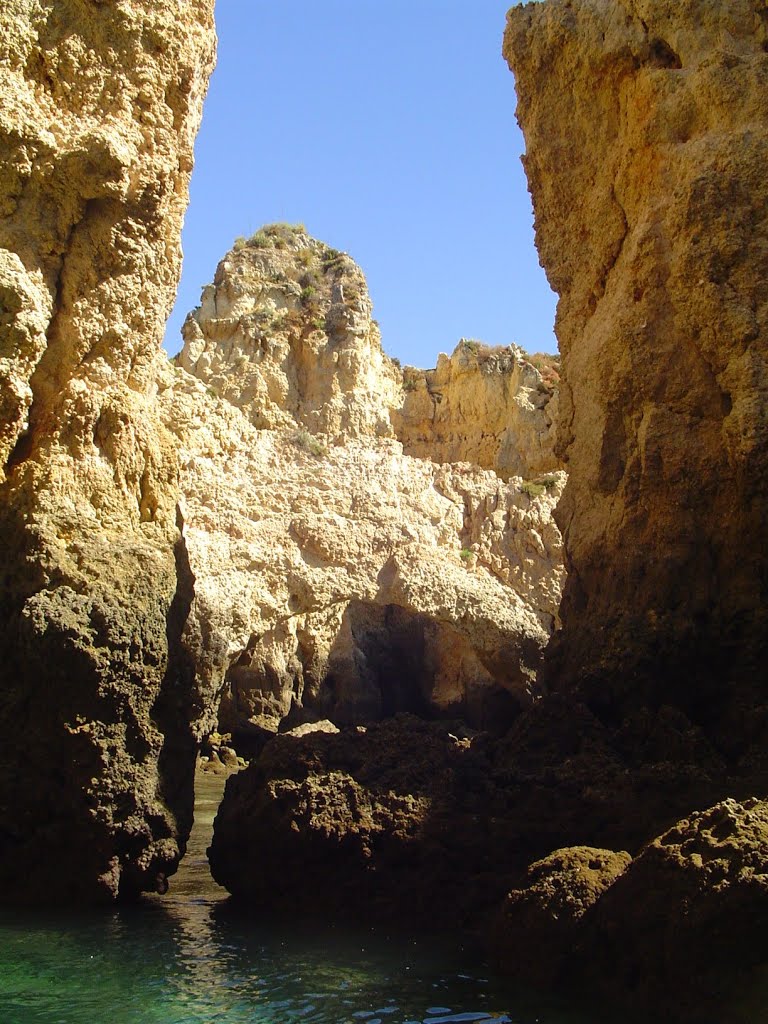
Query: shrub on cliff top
[
  {"x": 548, "y": 366},
  {"x": 272, "y": 235}
]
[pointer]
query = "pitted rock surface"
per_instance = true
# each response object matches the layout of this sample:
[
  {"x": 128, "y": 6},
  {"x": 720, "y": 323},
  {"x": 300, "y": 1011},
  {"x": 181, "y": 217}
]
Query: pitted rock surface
[{"x": 100, "y": 106}]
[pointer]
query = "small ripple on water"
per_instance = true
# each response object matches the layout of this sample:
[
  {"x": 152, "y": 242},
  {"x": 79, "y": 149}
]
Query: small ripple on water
[{"x": 183, "y": 959}]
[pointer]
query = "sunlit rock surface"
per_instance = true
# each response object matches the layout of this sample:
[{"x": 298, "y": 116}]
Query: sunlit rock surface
[
  {"x": 496, "y": 407},
  {"x": 100, "y": 105}
]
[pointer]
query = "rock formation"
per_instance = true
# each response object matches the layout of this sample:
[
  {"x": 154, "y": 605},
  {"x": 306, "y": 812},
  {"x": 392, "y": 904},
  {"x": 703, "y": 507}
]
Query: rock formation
[
  {"x": 684, "y": 926},
  {"x": 543, "y": 922},
  {"x": 646, "y": 135},
  {"x": 285, "y": 334},
  {"x": 100, "y": 105},
  {"x": 335, "y": 576},
  {"x": 495, "y": 407},
  {"x": 680, "y": 927}
]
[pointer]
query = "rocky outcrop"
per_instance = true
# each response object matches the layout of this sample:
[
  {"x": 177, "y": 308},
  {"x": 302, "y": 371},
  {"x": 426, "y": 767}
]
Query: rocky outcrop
[
  {"x": 679, "y": 930},
  {"x": 409, "y": 814},
  {"x": 350, "y": 581},
  {"x": 684, "y": 926},
  {"x": 100, "y": 105},
  {"x": 337, "y": 577},
  {"x": 541, "y": 923},
  {"x": 495, "y": 407},
  {"x": 286, "y": 334},
  {"x": 645, "y": 126}
]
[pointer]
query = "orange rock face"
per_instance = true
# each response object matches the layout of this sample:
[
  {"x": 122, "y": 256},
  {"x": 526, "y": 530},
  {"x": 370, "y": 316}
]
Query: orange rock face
[{"x": 646, "y": 127}]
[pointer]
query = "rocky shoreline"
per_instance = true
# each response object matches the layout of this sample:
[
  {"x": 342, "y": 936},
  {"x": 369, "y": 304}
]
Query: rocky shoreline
[{"x": 578, "y": 856}]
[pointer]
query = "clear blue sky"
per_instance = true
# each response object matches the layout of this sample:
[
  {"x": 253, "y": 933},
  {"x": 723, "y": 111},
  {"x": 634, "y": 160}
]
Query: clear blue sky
[{"x": 387, "y": 127}]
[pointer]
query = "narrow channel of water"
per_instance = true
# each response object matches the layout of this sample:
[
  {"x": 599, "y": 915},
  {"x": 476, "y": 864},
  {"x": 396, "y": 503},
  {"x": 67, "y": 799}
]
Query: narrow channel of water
[{"x": 185, "y": 958}]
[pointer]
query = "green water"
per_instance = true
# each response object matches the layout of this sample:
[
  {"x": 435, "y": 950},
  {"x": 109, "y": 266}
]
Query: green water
[{"x": 185, "y": 958}]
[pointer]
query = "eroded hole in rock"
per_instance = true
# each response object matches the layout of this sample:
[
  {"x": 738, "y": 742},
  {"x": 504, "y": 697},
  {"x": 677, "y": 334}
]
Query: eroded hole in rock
[
  {"x": 663, "y": 56},
  {"x": 382, "y": 661}
]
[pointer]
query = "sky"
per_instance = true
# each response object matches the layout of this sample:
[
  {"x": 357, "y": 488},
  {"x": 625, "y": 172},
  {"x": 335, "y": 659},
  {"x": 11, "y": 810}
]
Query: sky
[{"x": 386, "y": 127}]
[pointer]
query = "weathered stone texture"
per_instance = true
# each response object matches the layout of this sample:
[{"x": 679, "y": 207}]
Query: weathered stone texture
[
  {"x": 646, "y": 127},
  {"x": 349, "y": 580},
  {"x": 286, "y": 334},
  {"x": 336, "y": 575},
  {"x": 489, "y": 406},
  {"x": 100, "y": 105},
  {"x": 684, "y": 927}
]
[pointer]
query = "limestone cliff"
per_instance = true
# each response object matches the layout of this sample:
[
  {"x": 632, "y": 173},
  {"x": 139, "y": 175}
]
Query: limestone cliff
[
  {"x": 646, "y": 125},
  {"x": 285, "y": 334},
  {"x": 335, "y": 575},
  {"x": 100, "y": 105},
  {"x": 495, "y": 407}
]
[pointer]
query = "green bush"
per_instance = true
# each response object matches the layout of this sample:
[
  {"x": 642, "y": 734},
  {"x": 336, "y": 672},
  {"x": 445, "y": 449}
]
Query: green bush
[
  {"x": 309, "y": 443},
  {"x": 466, "y": 554},
  {"x": 532, "y": 489},
  {"x": 274, "y": 235}
]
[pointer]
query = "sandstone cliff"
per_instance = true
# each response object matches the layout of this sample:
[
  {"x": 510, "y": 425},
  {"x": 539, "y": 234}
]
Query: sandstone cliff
[
  {"x": 100, "y": 105},
  {"x": 490, "y": 406},
  {"x": 285, "y": 333},
  {"x": 646, "y": 127},
  {"x": 335, "y": 576}
]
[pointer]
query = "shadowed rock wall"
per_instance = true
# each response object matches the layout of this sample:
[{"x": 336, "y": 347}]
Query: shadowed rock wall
[
  {"x": 646, "y": 127},
  {"x": 100, "y": 106}
]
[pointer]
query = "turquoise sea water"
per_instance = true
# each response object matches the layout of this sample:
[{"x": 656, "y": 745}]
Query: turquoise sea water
[{"x": 187, "y": 959}]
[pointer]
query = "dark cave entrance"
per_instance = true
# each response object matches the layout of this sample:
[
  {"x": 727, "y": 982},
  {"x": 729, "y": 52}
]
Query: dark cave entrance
[{"x": 384, "y": 660}]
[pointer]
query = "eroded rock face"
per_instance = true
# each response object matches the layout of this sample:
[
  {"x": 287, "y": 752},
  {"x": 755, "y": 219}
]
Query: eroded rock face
[
  {"x": 645, "y": 126},
  {"x": 494, "y": 407},
  {"x": 337, "y": 576},
  {"x": 408, "y": 815},
  {"x": 678, "y": 931},
  {"x": 285, "y": 333},
  {"x": 541, "y": 923},
  {"x": 684, "y": 926},
  {"x": 384, "y": 818},
  {"x": 351, "y": 581},
  {"x": 100, "y": 105}
]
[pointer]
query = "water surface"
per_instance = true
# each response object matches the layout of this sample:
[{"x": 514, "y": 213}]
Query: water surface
[{"x": 185, "y": 958}]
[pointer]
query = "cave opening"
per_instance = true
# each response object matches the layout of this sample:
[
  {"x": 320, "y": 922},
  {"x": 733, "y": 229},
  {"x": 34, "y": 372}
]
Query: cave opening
[{"x": 384, "y": 660}]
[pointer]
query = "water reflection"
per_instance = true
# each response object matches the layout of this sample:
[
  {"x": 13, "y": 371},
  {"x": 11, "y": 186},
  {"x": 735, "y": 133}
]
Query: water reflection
[{"x": 186, "y": 958}]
